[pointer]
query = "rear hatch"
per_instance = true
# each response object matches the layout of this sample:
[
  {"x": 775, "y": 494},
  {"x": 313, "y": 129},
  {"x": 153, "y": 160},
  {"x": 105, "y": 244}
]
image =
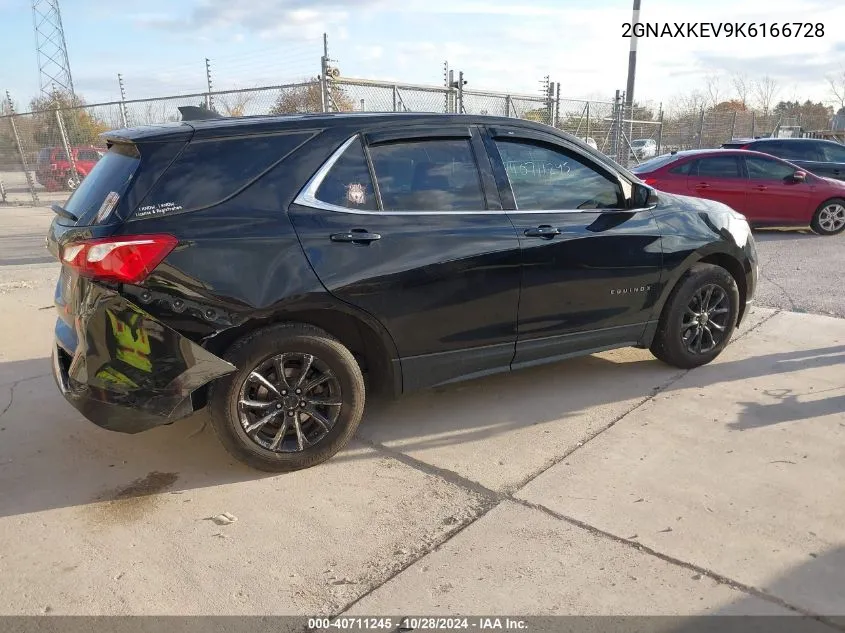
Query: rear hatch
[{"x": 85, "y": 234}]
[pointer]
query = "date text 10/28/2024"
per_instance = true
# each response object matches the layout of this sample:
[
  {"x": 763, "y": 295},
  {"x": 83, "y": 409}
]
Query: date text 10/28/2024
[
  {"x": 420, "y": 623},
  {"x": 722, "y": 29}
]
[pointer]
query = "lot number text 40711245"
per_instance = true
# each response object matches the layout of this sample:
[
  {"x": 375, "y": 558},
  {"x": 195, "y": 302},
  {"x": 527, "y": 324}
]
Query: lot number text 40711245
[{"x": 722, "y": 29}]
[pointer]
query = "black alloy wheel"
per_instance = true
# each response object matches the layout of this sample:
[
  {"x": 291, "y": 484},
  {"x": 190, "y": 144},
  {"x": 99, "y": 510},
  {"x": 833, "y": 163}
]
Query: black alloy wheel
[
  {"x": 295, "y": 400},
  {"x": 698, "y": 318},
  {"x": 289, "y": 402},
  {"x": 705, "y": 320}
]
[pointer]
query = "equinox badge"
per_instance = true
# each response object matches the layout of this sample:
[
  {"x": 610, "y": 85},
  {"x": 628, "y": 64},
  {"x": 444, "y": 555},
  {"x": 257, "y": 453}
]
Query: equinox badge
[{"x": 625, "y": 291}]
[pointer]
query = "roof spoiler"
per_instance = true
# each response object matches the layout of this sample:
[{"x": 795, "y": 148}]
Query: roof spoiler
[{"x": 197, "y": 113}]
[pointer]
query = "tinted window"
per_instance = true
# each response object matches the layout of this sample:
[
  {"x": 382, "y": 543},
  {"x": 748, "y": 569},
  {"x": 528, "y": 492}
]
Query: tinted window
[
  {"x": 796, "y": 150},
  {"x": 683, "y": 168},
  {"x": 348, "y": 183},
  {"x": 208, "y": 171},
  {"x": 431, "y": 175},
  {"x": 87, "y": 155},
  {"x": 760, "y": 168},
  {"x": 543, "y": 178},
  {"x": 834, "y": 153},
  {"x": 718, "y": 167},
  {"x": 113, "y": 172}
]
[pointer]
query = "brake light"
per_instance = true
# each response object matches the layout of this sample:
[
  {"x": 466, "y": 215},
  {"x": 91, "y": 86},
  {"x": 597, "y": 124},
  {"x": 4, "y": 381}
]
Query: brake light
[
  {"x": 650, "y": 181},
  {"x": 128, "y": 259}
]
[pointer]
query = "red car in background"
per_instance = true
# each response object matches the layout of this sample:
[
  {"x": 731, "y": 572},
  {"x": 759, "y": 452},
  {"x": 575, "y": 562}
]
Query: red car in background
[
  {"x": 53, "y": 170},
  {"x": 767, "y": 190}
]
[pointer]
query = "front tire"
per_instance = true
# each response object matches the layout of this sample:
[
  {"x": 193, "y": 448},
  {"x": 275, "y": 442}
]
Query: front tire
[
  {"x": 829, "y": 218},
  {"x": 296, "y": 399},
  {"x": 698, "y": 319}
]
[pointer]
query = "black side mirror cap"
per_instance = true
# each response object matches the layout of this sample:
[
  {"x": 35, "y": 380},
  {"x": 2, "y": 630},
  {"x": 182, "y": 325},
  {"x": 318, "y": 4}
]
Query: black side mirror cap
[{"x": 643, "y": 196}]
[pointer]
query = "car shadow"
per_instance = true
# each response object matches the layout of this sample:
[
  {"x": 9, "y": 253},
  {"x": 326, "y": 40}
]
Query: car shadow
[
  {"x": 785, "y": 234},
  {"x": 50, "y": 456}
]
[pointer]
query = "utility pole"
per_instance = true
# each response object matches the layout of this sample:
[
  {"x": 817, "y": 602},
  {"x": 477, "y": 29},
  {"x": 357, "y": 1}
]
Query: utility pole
[
  {"x": 459, "y": 85},
  {"x": 632, "y": 65},
  {"x": 447, "y": 83},
  {"x": 324, "y": 74}
]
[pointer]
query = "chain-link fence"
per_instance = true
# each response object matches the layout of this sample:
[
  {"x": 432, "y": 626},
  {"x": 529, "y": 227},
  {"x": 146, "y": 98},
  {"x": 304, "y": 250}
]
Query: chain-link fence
[{"x": 45, "y": 154}]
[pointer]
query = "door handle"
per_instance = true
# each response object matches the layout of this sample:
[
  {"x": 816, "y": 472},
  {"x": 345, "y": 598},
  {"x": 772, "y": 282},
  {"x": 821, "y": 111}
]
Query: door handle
[
  {"x": 356, "y": 236},
  {"x": 544, "y": 230},
  {"x": 760, "y": 187},
  {"x": 702, "y": 185}
]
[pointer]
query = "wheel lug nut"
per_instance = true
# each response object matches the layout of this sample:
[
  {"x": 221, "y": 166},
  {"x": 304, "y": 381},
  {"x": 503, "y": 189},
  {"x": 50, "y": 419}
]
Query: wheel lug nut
[
  {"x": 299, "y": 391},
  {"x": 302, "y": 403},
  {"x": 278, "y": 406},
  {"x": 284, "y": 392},
  {"x": 290, "y": 412}
]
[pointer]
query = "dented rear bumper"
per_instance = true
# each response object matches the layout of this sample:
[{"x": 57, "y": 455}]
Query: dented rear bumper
[{"x": 121, "y": 368}]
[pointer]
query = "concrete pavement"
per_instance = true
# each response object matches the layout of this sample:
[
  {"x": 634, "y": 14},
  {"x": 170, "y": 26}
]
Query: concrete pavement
[{"x": 607, "y": 484}]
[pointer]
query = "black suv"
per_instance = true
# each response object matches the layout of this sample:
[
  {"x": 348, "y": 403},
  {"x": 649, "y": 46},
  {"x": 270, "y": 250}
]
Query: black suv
[
  {"x": 275, "y": 269},
  {"x": 821, "y": 157}
]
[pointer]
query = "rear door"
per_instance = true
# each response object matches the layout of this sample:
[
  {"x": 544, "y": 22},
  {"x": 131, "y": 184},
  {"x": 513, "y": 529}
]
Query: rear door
[
  {"x": 400, "y": 224},
  {"x": 774, "y": 196},
  {"x": 590, "y": 267},
  {"x": 720, "y": 178},
  {"x": 834, "y": 156}
]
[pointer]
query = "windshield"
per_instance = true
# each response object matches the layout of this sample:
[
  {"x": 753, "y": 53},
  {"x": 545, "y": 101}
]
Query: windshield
[{"x": 112, "y": 173}]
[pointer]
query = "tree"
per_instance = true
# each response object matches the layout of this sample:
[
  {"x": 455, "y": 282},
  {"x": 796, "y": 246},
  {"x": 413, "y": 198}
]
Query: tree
[
  {"x": 81, "y": 127},
  {"x": 235, "y": 104},
  {"x": 765, "y": 90},
  {"x": 837, "y": 88},
  {"x": 733, "y": 105},
  {"x": 308, "y": 98},
  {"x": 686, "y": 104},
  {"x": 713, "y": 89},
  {"x": 741, "y": 87}
]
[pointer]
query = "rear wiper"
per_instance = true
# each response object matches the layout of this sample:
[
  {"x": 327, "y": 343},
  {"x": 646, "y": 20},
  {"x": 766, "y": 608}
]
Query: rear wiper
[{"x": 64, "y": 213}]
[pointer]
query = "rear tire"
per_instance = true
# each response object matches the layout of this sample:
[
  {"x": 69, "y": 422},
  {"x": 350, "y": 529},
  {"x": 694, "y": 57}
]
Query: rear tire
[
  {"x": 698, "y": 319},
  {"x": 829, "y": 218},
  {"x": 274, "y": 427}
]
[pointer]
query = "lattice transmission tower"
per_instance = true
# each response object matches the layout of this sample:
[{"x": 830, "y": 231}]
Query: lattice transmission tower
[{"x": 53, "y": 64}]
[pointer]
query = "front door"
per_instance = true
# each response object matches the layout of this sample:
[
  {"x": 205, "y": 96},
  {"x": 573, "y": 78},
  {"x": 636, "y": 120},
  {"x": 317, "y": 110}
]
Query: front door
[
  {"x": 590, "y": 268},
  {"x": 719, "y": 178},
  {"x": 420, "y": 248},
  {"x": 774, "y": 196}
]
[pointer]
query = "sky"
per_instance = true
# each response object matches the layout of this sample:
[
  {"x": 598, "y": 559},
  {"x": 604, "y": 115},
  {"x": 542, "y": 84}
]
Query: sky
[{"x": 160, "y": 46}]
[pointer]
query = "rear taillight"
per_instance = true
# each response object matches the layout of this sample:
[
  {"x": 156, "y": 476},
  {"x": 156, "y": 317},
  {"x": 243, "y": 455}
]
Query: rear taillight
[
  {"x": 128, "y": 259},
  {"x": 650, "y": 181}
]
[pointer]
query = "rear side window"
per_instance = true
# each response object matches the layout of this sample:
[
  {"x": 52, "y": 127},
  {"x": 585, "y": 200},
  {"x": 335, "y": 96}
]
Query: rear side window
[
  {"x": 798, "y": 150},
  {"x": 112, "y": 173},
  {"x": 434, "y": 175},
  {"x": 209, "y": 171},
  {"x": 348, "y": 183},
  {"x": 833, "y": 153},
  {"x": 719, "y": 167},
  {"x": 87, "y": 155},
  {"x": 683, "y": 168}
]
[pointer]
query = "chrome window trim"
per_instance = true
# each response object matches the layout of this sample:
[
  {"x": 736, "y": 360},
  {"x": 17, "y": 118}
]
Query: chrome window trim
[{"x": 307, "y": 197}]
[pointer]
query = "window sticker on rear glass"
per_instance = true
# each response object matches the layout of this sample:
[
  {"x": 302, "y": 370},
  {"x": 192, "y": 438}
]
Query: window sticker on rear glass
[
  {"x": 157, "y": 209},
  {"x": 356, "y": 194}
]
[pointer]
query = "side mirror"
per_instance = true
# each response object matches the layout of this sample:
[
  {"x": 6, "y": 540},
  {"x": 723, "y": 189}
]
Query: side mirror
[
  {"x": 643, "y": 196},
  {"x": 799, "y": 176}
]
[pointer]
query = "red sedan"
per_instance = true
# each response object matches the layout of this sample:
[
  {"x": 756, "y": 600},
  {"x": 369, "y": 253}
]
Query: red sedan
[{"x": 767, "y": 190}]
